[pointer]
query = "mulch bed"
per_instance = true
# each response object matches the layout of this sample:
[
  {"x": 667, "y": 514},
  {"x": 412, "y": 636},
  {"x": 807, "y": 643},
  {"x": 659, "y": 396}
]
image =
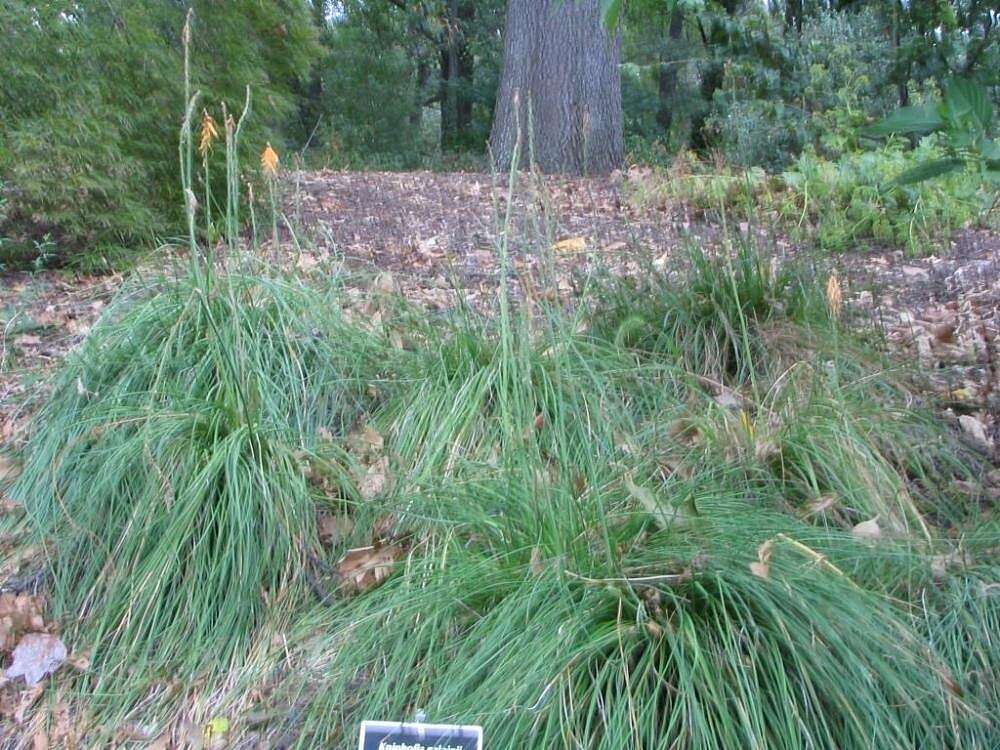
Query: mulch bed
[{"x": 433, "y": 231}]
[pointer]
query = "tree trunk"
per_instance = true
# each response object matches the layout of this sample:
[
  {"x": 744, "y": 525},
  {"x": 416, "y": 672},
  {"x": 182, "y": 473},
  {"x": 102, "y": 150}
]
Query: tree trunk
[
  {"x": 667, "y": 74},
  {"x": 422, "y": 77},
  {"x": 793, "y": 15},
  {"x": 561, "y": 82}
]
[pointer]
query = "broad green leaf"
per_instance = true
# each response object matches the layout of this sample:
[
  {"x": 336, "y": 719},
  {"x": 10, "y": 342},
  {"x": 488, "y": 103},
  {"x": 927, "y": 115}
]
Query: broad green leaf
[
  {"x": 967, "y": 100},
  {"x": 991, "y": 150},
  {"x": 929, "y": 170},
  {"x": 916, "y": 120}
]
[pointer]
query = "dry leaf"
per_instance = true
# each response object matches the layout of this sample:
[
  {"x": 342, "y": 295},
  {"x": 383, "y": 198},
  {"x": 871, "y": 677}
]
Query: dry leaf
[
  {"x": 80, "y": 662},
  {"x": 365, "y": 441},
  {"x": 37, "y": 655},
  {"x": 537, "y": 567},
  {"x": 572, "y": 245},
  {"x": 762, "y": 567},
  {"x": 867, "y": 529},
  {"x": 334, "y": 529},
  {"x": 976, "y": 430},
  {"x": 822, "y": 503},
  {"x": 19, "y": 614},
  {"x": 944, "y": 333},
  {"x": 364, "y": 568},
  {"x": 29, "y": 698},
  {"x": 375, "y": 480},
  {"x": 27, "y": 340},
  {"x": 9, "y": 469}
]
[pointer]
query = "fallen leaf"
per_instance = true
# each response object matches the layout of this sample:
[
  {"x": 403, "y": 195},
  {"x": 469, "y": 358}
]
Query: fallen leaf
[
  {"x": 334, "y": 528},
  {"x": 216, "y": 727},
  {"x": 572, "y": 245},
  {"x": 28, "y": 699},
  {"x": 867, "y": 529},
  {"x": 80, "y": 662},
  {"x": 364, "y": 568},
  {"x": 37, "y": 655},
  {"x": 976, "y": 430},
  {"x": 375, "y": 480},
  {"x": 9, "y": 469},
  {"x": 27, "y": 340},
  {"x": 665, "y": 515},
  {"x": 19, "y": 614},
  {"x": 822, "y": 503},
  {"x": 365, "y": 441},
  {"x": 762, "y": 567},
  {"x": 944, "y": 333}
]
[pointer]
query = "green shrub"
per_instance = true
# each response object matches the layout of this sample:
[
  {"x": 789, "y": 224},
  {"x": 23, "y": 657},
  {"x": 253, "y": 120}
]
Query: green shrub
[
  {"x": 857, "y": 198},
  {"x": 89, "y": 98},
  {"x": 836, "y": 204}
]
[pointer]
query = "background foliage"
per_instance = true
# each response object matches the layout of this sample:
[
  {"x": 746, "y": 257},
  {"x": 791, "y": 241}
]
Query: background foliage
[
  {"x": 89, "y": 91},
  {"x": 89, "y": 99}
]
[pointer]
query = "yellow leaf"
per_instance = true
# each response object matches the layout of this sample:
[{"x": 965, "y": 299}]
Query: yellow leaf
[
  {"x": 217, "y": 726},
  {"x": 573, "y": 245}
]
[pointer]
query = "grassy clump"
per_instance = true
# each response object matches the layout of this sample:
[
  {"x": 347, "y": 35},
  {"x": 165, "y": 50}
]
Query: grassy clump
[
  {"x": 629, "y": 526},
  {"x": 167, "y": 477}
]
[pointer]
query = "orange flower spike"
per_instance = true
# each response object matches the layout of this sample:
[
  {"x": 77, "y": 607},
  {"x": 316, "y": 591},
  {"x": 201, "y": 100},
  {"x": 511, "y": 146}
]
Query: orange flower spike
[
  {"x": 209, "y": 133},
  {"x": 269, "y": 161}
]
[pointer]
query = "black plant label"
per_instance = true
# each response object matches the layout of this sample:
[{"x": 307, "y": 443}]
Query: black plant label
[{"x": 385, "y": 735}]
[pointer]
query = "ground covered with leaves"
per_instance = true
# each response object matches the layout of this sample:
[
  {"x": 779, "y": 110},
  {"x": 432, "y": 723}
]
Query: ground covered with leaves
[{"x": 588, "y": 476}]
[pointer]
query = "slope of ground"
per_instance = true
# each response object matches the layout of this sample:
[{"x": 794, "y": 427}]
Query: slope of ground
[{"x": 432, "y": 230}]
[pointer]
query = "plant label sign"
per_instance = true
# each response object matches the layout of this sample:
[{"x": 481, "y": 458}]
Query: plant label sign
[{"x": 388, "y": 735}]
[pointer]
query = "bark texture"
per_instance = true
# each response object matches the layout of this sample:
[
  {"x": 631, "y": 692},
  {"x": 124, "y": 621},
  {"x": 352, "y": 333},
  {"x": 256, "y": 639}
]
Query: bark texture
[{"x": 561, "y": 82}]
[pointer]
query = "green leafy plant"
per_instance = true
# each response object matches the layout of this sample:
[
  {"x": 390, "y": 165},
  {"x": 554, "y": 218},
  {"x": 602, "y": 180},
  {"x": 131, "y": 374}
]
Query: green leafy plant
[{"x": 964, "y": 117}]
